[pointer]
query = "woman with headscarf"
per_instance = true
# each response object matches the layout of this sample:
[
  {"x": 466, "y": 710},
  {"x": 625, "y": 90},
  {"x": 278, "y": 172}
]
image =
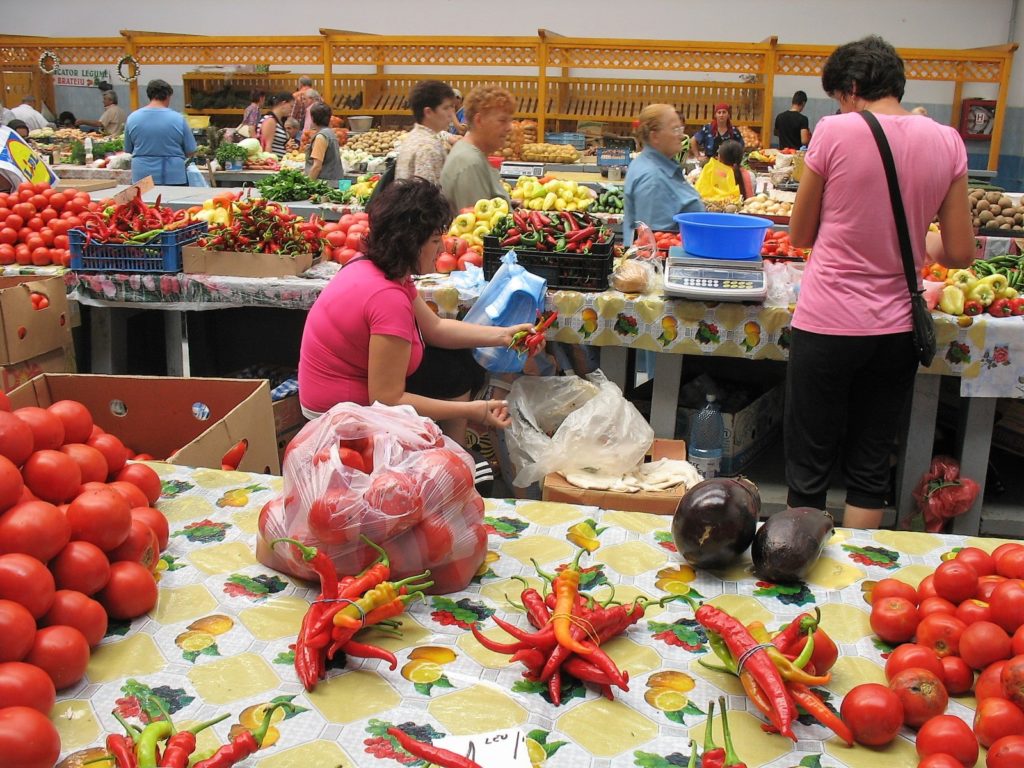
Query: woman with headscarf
[{"x": 709, "y": 138}]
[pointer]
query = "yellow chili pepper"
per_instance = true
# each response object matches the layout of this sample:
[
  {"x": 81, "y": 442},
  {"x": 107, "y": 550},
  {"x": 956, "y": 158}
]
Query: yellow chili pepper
[{"x": 786, "y": 668}]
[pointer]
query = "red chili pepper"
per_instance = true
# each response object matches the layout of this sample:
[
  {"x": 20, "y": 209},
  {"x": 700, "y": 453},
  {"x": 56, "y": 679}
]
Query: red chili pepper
[
  {"x": 122, "y": 750},
  {"x": 367, "y": 651},
  {"x": 441, "y": 757},
  {"x": 581, "y": 234},
  {"x": 713, "y": 756},
  {"x": 796, "y": 631},
  {"x": 497, "y": 647},
  {"x": 816, "y": 708},
  {"x": 244, "y": 744}
]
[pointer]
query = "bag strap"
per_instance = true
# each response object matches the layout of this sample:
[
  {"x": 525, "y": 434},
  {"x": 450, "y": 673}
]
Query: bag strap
[{"x": 898, "y": 212}]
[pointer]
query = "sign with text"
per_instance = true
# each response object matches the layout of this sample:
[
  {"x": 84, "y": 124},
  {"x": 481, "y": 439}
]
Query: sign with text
[
  {"x": 498, "y": 749},
  {"x": 80, "y": 77}
]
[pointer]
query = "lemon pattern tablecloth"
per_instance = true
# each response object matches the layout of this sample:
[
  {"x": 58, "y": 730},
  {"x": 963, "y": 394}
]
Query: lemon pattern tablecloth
[{"x": 218, "y": 640}]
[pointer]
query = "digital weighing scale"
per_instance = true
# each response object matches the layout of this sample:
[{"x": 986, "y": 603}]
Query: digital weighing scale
[
  {"x": 513, "y": 170},
  {"x": 693, "y": 277}
]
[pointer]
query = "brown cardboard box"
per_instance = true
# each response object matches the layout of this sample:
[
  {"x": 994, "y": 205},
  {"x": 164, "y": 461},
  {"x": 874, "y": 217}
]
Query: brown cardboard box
[
  {"x": 26, "y": 332},
  {"x": 201, "y": 261},
  {"x": 55, "y": 361},
  {"x": 194, "y": 422},
  {"x": 557, "y": 488},
  {"x": 287, "y": 414}
]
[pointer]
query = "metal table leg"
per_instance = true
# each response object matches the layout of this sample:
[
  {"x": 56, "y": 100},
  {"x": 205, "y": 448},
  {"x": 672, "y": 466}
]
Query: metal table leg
[
  {"x": 916, "y": 450},
  {"x": 109, "y": 337},
  {"x": 977, "y": 415},
  {"x": 176, "y": 340},
  {"x": 614, "y": 364}
]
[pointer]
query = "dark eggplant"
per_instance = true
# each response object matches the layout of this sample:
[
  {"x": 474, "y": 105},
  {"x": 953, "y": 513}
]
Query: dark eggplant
[
  {"x": 715, "y": 521},
  {"x": 788, "y": 545}
]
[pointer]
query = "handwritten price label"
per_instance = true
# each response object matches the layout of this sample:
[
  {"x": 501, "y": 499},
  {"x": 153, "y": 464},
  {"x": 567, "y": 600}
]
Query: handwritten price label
[{"x": 498, "y": 749}]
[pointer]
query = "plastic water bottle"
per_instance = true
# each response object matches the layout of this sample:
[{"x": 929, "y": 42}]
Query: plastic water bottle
[
  {"x": 88, "y": 149},
  {"x": 706, "y": 435}
]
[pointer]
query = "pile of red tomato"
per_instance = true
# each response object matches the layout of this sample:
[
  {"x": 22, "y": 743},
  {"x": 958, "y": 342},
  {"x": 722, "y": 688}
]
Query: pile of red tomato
[
  {"x": 79, "y": 543},
  {"x": 666, "y": 240},
  {"x": 346, "y": 237},
  {"x": 777, "y": 243},
  {"x": 34, "y": 222},
  {"x": 967, "y": 617}
]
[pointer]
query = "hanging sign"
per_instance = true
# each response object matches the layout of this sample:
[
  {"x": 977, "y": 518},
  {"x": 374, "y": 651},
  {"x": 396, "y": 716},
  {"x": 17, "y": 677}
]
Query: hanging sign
[
  {"x": 80, "y": 77},
  {"x": 19, "y": 162}
]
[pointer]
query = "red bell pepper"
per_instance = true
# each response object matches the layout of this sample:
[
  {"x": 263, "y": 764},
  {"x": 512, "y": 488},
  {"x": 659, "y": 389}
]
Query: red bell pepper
[{"x": 1000, "y": 308}]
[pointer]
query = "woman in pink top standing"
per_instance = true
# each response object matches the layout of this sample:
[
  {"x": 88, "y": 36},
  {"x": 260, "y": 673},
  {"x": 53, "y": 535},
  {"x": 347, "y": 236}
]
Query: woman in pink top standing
[
  {"x": 852, "y": 362},
  {"x": 369, "y": 337}
]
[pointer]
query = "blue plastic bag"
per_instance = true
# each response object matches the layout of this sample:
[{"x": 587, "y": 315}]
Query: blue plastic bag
[
  {"x": 513, "y": 296},
  {"x": 195, "y": 177}
]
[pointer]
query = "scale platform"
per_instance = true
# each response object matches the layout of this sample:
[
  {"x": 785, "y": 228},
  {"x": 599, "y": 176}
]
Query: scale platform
[
  {"x": 513, "y": 170},
  {"x": 693, "y": 277}
]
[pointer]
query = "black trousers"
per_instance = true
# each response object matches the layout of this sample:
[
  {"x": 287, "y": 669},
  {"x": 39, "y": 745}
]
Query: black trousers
[
  {"x": 445, "y": 374},
  {"x": 844, "y": 399}
]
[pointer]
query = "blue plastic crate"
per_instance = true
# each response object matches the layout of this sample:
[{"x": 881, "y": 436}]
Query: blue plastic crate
[
  {"x": 613, "y": 156},
  {"x": 575, "y": 140},
  {"x": 161, "y": 254}
]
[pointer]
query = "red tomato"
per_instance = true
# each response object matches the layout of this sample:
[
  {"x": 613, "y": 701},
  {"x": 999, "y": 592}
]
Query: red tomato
[
  {"x": 927, "y": 587},
  {"x": 47, "y": 429},
  {"x": 1011, "y": 564},
  {"x": 91, "y": 462},
  {"x": 932, "y": 605},
  {"x": 23, "y": 211},
  {"x": 62, "y": 653},
  {"x": 894, "y": 619},
  {"x": 7, "y": 254},
  {"x": 1007, "y": 605},
  {"x": 989, "y": 683},
  {"x": 939, "y": 760},
  {"x": 329, "y": 516},
  {"x": 1018, "y": 641},
  {"x": 970, "y": 611},
  {"x": 470, "y": 257},
  {"x": 15, "y": 438},
  {"x": 996, "y": 718},
  {"x": 82, "y": 566},
  {"x": 983, "y": 643},
  {"x": 73, "y": 609},
  {"x": 941, "y": 632},
  {"x": 8, "y": 236},
  {"x": 444, "y": 263},
  {"x": 987, "y": 585},
  {"x": 1008, "y": 752},
  {"x": 1002, "y": 549},
  {"x": 910, "y": 656},
  {"x": 957, "y": 676},
  {"x": 76, "y": 419},
  {"x": 5, "y": 402},
  {"x": 922, "y": 693},
  {"x": 100, "y": 516},
  {"x": 11, "y": 485},
  {"x": 25, "y": 580},
  {"x": 131, "y": 493},
  {"x": 41, "y": 257},
  {"x": 893, "y": 588},
  {"x": 874, "y": 714},
  {"x": 17, "y": 631},
  {"x": 130, "y": 592},
  {"x": 141, "y": 546},
  {"x": 978, "y": 559},
  {"x": 157, "y": 522},
  {"x": 27, "y": 738},
  {"x": 144, "y": 478},
  {"x": 23, "y": 685},
  {"x": 956, "y": 581},
  {"x": 52, "y": 476},
  {"x": 949, "y": 735},
  {"x": 38, "y": 202},
  {"x": 335, "y": 238},
  {"x": 1012, "y": 680},
  {"x": 112, "y": 449},
  {"x": 58, "y": 200},
  {"x": 34, "y": 528}
]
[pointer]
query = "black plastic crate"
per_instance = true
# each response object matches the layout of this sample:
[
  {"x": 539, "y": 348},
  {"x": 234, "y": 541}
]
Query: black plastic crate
[
  {"x": 161, "y": 254},
  {"x": 563, "y": 271}
]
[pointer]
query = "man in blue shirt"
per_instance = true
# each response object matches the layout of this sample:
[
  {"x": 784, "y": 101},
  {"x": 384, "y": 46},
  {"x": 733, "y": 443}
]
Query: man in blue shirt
[
  {"x": 159, "y": 138},
  {"x": 656, "y": 189}
]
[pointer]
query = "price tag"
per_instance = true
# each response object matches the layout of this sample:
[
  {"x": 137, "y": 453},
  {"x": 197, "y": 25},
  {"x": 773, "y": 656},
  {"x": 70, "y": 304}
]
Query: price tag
[
  {"x": 126, "y": 195},
  {"x": 498, "y": 749}
]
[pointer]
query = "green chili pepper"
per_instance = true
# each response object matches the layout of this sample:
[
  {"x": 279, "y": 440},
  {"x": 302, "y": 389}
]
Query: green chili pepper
[{"x": 145, "y": 748}]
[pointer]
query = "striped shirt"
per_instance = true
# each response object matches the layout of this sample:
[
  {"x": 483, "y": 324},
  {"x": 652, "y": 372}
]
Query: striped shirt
[{"x": 280, "y": 140}]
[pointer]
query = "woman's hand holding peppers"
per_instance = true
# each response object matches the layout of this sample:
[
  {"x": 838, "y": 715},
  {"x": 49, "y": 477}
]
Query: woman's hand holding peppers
[{"x": 529, "y": 339}]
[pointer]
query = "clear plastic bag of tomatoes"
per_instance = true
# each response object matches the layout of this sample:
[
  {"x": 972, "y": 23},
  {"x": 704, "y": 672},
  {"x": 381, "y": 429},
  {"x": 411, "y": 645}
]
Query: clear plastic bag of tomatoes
[
  {"x": 385, "y": 473},
  {"x": 942, "y": 494}
]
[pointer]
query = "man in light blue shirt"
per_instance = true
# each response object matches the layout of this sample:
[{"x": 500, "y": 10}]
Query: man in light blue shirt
[
  {"x": 159, "y": 139},
  {"x": 656, "y": 189}
]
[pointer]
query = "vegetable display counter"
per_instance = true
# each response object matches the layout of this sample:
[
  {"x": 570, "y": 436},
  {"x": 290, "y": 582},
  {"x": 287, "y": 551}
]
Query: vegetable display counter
[{"x": 218, "y": 642}]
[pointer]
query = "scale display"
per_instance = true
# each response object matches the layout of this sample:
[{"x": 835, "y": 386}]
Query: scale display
[
  {"x": 691, "y": 277},
  {"x": 515, "y": 170}
]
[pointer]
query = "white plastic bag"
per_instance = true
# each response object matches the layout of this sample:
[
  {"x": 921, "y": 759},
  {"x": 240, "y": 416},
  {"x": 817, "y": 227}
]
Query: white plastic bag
[{"x": 568, "y": 423}]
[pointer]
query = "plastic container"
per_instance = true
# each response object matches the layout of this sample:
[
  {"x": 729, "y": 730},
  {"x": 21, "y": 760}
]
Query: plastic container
[
  {"x": 707, "y": 434},
  {"x": 563, "y": 271},
  {"x": 360, "y": 123},
  {"x": 722, "y": 235},
  {"x": 161, "y": 254},
  {"x": 575, "y": 140},
  {"x": 496, "y": 161}
]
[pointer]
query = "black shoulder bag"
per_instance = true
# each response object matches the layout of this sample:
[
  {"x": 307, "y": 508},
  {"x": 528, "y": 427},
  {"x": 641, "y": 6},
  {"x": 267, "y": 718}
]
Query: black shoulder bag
[{"x": 924, "y": 328}]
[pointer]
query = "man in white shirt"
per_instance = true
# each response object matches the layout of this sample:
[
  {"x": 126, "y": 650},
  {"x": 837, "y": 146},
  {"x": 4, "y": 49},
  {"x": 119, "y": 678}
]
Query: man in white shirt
[
  {"x": 112, "y": 121},
  {"x": 26, "y": 111},
  {"x": 6, "y": 115}
]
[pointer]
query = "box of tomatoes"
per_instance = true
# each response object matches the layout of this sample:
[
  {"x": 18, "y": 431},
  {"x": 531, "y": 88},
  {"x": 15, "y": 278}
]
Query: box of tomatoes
[
  {"x": 193, "y": 422},
  {"x": 33, "y": 317}
]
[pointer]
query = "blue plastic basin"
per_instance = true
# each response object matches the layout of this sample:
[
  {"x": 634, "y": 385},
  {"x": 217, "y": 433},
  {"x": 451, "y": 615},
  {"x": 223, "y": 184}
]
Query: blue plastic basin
[{"x": 722, "y": 235}]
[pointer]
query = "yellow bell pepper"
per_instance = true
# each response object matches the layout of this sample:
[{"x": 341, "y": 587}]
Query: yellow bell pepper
[
  {"x": 549, "y": 201},
  {"x": 952, "y": 300},
  {"x": 982, "y": 293},
  {"x": 996, "y": 282},
  {"x": 1008, "y": 293},
  {"x": 500, "y": 205},
  {"x": 962, "y": 278}
]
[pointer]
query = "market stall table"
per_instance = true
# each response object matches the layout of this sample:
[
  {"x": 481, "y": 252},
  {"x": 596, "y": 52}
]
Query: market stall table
[{"x": 218, "y": 642}]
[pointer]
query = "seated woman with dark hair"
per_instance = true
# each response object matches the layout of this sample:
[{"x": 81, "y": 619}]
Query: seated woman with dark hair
[{"x": 370, "y": 337}]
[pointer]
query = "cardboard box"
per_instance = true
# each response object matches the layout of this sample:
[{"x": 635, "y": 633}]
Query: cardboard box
[
  {"x": 55, "y": 361},
  {"x": 193, "y": 422},
  {"x": 201, "y": 261},
  {"x": 748, "y": 431},
  {"x": 27, "y": 332},
  {"x": 557, "y": 488},
  {"x": 287, "y": 414}
]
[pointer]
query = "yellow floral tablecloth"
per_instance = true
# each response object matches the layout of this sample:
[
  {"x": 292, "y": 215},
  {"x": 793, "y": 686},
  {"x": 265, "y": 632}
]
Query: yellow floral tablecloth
[{"x": 218, "y": 642}]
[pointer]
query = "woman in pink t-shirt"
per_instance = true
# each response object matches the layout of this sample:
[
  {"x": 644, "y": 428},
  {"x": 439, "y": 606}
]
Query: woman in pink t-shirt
[
  {"x": 369, "y": 337},
  {"x": 852, "y": 362}
]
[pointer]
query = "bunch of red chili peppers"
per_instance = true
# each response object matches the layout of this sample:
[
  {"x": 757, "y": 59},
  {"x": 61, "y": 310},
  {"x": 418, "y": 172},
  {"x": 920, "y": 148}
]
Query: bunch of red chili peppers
[
  {"x": 570, "y": 630},
  {"x": 346, "y": 606},
  {"x": 140, "y": 748},
  {"x": 529, "y": 341},
  {"x": 775, "y": 670},
  {"x": 555, "y": 231},
  {"x": 134, "y": 222},
  {"x": 262, "y": 226}
]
